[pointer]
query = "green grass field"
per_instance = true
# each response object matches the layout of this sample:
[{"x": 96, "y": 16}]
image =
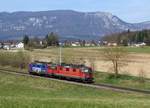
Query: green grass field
[
  {"x": 145, "y": 49},
  {"x": 123, "y": 80},
  {"x": 108, "y": 78},
  {"x": 27, "y": 92}
]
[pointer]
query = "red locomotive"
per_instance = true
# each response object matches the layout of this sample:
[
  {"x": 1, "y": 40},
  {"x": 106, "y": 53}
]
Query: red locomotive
[{"x": 68, "y": 71}]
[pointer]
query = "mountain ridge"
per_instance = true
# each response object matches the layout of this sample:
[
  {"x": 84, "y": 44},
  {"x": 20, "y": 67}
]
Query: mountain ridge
[{"x": 66, "y": 23}]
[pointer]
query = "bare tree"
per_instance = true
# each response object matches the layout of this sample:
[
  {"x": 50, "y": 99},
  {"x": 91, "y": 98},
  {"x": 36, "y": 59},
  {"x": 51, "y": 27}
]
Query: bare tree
[
  {"x": 117, "y": 56},
  {"x": 36, "y": 40},
  {"x": 92, "y": 64},
  {"x": 52, "y": 39},
  {"x": 142, "y": 76}
]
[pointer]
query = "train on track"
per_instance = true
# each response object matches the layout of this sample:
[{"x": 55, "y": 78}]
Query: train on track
[{"x": 65, "y": 71}]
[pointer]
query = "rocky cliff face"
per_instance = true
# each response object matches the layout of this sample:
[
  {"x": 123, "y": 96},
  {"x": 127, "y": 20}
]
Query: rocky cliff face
[{"x": 66, "y": 23}]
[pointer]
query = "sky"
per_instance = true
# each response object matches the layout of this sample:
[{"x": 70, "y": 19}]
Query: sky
[{"x": 132, "y": 11}]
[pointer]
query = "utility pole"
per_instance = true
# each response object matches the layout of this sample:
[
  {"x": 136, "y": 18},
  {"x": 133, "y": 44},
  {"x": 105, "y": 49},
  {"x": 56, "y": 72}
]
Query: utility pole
[{"x": 60, "y": 54}]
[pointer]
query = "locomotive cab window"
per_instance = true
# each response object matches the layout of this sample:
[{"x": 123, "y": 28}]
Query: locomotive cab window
[
  {"x": 84, "y": 70},
  {"x": 38, "y": 66},
  {"x": 33, "y": 65},
  {"x": 67, "y": 69},
  {"x": 52, "y": 67},
  {"x": 74, "y": 70}
]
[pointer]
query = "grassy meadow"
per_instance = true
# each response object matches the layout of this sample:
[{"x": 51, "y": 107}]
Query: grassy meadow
[
  {"x": 94, "y": 54},
  {"x": 123, "y": 80},
  {"x": 108, "y": 78},
  {"x": 28, "y": 92}
]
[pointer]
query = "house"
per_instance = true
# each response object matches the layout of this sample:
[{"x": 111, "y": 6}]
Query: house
[
  {"x": 41, "y": 42},
  {"x": 112, "y": 44},
  {"x": 139, "y": 44},
  {"x": 87, "y": 44},
  {"x": 62, "y": 44},
  {"x": 20, "y": 45},
  {"x": 75, "y": 44},
  {"x": 7, "y": 46},
  {"x": 90, "y": 43},
  {"x": 99, "y": 43},
  {"x": 103, "y": 43}
]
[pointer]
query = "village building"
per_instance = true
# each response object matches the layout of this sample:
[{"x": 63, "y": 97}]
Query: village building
[
  {"x": 138, "y": 44},
  {"x": 112, "y": 44},
  {"x": 20, "y": 45},
  {"x": 6, "y": 46},
  {"x": 75, "y": 44},
  {"x": 87, "y": 44},
  {"x": 13, "y": 46}
]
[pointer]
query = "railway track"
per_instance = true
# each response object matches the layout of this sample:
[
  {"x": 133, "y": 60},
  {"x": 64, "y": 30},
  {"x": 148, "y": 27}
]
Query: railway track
[{"x": 94, "y": 85}]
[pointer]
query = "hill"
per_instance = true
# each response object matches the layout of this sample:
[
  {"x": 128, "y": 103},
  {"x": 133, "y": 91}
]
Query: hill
[{"x": 67, "y": 24}]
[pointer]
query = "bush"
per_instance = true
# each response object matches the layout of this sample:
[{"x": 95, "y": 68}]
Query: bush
[
  {"x": 112, "y": 76},
  {"x": 19, "y": 59},
  {"x": 28, "y": 48}
]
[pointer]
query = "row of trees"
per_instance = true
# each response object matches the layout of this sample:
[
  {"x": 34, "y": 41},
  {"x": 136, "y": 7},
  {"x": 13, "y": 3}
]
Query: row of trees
[
  {"x": 52, "y": 39},
  {"x": 129, "y": 37},
  {"x": 49, "y": 40}
]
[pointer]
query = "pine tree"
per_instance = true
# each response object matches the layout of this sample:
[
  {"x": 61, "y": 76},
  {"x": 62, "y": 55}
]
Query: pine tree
[{"x": 26, "y": 40}]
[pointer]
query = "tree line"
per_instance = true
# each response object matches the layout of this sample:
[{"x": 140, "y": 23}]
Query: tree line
[
  {"x": 129, "y": 37},
  {"x": 50, "y": 40}
]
